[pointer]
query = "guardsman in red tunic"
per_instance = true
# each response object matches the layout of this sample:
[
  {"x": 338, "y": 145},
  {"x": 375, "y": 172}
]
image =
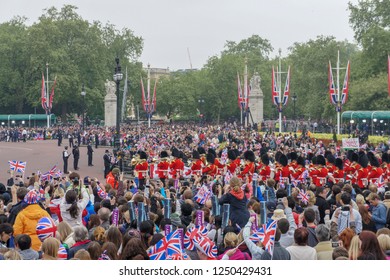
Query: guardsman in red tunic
[
  {"x": 352, "y": 169},
  {"x": 142, "y": 168},
  {"x": 177, "y": 166},
  {"x": 231, "y": 164},
  {"x": 163, "y": 167},
  {"x": 210, "y": 169},
  {"x": 385, "y": 166},
  {"x": 322, "y": 173},
  {"x": 265, "y": 170},
  {"x": 196, "y": 165},
  {"x": 338, "y": 174},
  {"x": 296, "y": 173},
  {"x": 249, "y": 167},
  {"x": 330, "y": 163},
  {"x": 362, "y": 172},
  {"x": 283, "y": 170},
  {"x": 202, "y": 154},
  {"x": 293, "y": 163},
  {"x": 375, "y": 171}
]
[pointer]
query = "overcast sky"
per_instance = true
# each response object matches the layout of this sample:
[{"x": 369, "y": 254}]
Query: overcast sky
[{"x": 169, "y": 27}]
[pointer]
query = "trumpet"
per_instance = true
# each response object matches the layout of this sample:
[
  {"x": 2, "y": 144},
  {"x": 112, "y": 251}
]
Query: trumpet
[{"x": 136, "y": 160}]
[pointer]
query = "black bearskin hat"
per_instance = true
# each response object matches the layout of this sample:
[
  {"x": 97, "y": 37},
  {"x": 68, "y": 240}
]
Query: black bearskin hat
[
  {"x": 339, "y": 163},
  {"x": 232, "y": 155},
  {"x": 283, "y": 160},
  {"x": 212, "y": 151},
  {"x": 385, "y": 157},
  {"x": 210, "y": 158},
  {"x": 249, "y": 156},
  {"x": 293, "y": 156},
  {"x": 321, "y": 160},
  {"x": 354, "y": 157},
  {"x": 363, "y": 160},
  {"x": 301, "y": 161},
  {"x": 201, "y": 151},
  {"x": 195, "y": 154},
  {"x": 175, "y": 153},
  {"x": 143, "y": 155},
  {"x": 265, "y": 159},
  {"x": 163, "y": 154},
  {"x": 331, "y": 159}
]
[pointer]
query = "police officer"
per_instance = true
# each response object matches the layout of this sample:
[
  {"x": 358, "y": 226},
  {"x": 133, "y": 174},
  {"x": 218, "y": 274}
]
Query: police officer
[
  {"x": 65, "y": 157},
  {"x": 107, "y": 163},
  {"x": 76, "y": 156},
  {"x": 89, "y": 153}
]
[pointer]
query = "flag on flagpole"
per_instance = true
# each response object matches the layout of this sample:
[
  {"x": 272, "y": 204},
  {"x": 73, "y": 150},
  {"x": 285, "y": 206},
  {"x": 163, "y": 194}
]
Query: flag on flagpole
[
  {"x": 287, "y": 88},
  {"x": 241, "y": 101},
  {"x": 154, "y": 100},
  {"x": 275, "y": 93},
  {"x": 44, "y": 94},
  {"x": 143, "y": 96},
  {"x": 332, "y": 88},
  {"x": 52, "y": 94},
  {"x": 17, "y": 166},
  {"x": 344, "y": 93}
]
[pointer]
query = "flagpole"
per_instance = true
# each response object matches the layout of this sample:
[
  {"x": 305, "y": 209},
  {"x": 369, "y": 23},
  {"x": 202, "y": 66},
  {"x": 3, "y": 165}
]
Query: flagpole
[
  {"x": 46, "y": 95},
  {"x": 338, "y": 92},
  {"x": 280, "y": 90},
  {"x": 149, "y": 113},
  {"x": 246, "y": 90}
]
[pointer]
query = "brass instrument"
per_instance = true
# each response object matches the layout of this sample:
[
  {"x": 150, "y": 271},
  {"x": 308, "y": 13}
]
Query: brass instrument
[{"x": 136, "y": 160}]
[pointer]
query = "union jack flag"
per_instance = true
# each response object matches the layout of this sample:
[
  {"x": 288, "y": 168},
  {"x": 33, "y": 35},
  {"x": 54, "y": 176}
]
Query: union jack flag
[
  {"x": 203, "y": 195},
  {"x": 303, "y": 176},
  {"x": 275, "y": 89},
  {"x": 344, "y": 93},
  {"x": 332, "y": 89},
  {"x": 44, "y": 98},
  {"x": 193, "y": 233},
  {"x": 287, "y": 88},
  {"x": 204, "y": 244},
  {"x": 168, "y": 246},
  {"x": 303, "y": 196},
  {"x": 266, "y": 235},
  {"x": 380, "y": 182},
  {"x": 48, "y": 176},
  {"x": 17, "y": 166}
]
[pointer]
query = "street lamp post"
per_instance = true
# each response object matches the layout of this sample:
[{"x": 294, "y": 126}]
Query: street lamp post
[
  {"x": 201, "y": 102},
  {"x": 294, "y": 99},
  {"x": 117, "y": 78},
  {"x": 83, "y": 93}
]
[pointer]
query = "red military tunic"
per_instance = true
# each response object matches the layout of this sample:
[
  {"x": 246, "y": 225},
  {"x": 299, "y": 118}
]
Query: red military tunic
[
  {"x": 142, "y": 169},
  {"x": 196, "y": 168},
  {"x": 163, "y": 169},
  {"x": 265, "y": 172},
  {"x": 210, "y": 169},
  {"x": 177, "y": 168},
  {"x": 374, "y": 174},
  {"x": 249, "y": 169},
  {"x": 219, "y": 165}
]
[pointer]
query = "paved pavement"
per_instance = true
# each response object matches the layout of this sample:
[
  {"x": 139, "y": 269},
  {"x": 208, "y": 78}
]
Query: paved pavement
[{"x": 43, "y": 155}]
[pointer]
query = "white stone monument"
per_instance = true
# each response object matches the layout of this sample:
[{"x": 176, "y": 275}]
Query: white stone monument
[
  {"x": 110, "y": 104},
  {"x": 256, "y": 99}
]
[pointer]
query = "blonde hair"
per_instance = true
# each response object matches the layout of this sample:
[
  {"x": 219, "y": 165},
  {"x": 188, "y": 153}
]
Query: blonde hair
[
  {"x": 99, "y": 234},
  {"x": 360, "y": 199},
  {"x": 12, "y": 255},
  {"x": 82, "y": 254},
  {"x": 64, "y": 229},
  {"x": 384, "y": 242},
  {"x": 235, "y": 184},
  {"x": 231, "y": 240},
  {"x": 50, "y": 248},
  {"x": 312, "y": 198},
  {"x": 354, "y": 250}
]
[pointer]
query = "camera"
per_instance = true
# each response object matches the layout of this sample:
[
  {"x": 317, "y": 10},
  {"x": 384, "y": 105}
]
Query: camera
[
  {"x": 335, "y": 244},
  {"x": 345, "y": 208}
]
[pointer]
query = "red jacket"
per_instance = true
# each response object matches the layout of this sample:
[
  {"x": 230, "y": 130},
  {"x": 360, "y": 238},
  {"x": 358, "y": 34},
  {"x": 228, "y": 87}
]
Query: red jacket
[
  {"x": 210, "y": 169},
  {"x": 177, "y": 167},
  {"x": 249, "y": 169},
  {"x": 110, "y": 179},
  {"x": 142, "y": 169},
  {"x": 163, "y": 169}
]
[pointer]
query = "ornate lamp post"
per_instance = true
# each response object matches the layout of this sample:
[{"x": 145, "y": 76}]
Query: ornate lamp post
[{"x": 118, "y": 76}]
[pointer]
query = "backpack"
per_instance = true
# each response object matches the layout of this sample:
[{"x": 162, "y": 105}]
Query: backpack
[{"x": 312, "y": 240}]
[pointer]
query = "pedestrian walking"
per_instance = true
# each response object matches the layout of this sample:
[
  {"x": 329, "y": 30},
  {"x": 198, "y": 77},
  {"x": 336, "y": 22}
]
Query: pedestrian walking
[{"x": 107, "y": 163}]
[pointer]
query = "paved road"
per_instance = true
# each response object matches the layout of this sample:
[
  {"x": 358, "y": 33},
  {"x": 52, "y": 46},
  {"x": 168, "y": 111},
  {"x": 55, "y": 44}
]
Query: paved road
[{"x": 43, "y": 155}]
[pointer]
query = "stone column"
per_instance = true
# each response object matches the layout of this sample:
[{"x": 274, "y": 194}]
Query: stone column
[
  {"x": 110, "y": 104},
  {"x": 256, "y": 99}
]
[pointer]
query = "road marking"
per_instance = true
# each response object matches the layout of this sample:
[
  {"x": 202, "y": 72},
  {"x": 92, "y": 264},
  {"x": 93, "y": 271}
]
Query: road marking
[{"x": 17, "y": 148}]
